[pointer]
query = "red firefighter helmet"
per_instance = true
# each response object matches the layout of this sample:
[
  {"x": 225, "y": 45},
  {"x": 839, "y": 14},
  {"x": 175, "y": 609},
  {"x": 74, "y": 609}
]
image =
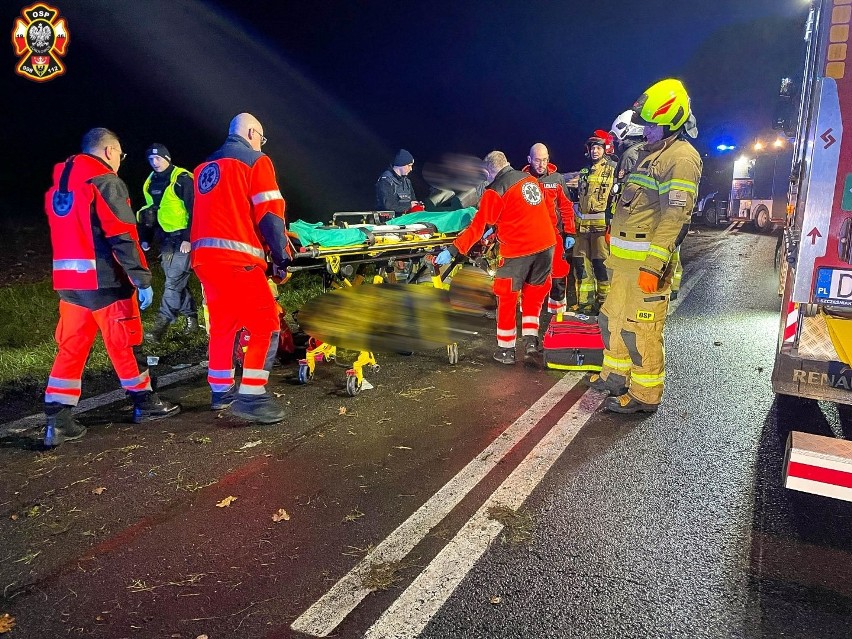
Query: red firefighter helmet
[{"x": 601, "y": 138}]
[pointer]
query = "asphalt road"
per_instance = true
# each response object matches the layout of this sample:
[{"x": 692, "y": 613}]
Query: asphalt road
[{"x": 669, "y": 525}]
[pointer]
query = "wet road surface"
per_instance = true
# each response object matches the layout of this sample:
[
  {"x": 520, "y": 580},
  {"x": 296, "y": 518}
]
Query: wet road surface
[{"x": 671, "y": 525}]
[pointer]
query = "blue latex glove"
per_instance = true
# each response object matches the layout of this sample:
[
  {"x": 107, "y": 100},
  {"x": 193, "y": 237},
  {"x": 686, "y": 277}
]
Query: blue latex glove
[
  {"x": 444, "y": 257},
  {"x": 569, "y": 242},
  {"x": 146, "y": 296},
  {"x": 488, "y": 233}
]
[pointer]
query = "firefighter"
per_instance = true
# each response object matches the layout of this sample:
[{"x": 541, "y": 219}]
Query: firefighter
[
  {"x": 98, "y": 267},
  {"x": 525, "y": 225},
  {"x": 555, "y": 192},
  {"x": 650, "y": 221},
  {"x": 591, "y": 249},
  {"x": 168, "y": 192},
  {"x": 239, "y": 218}
]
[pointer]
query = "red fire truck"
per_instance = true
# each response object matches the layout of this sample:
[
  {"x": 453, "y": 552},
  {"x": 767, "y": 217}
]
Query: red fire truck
[{"x": 814, "y": 355}]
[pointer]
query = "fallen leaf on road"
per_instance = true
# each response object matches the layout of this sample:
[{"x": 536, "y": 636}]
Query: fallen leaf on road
[
  {"x": 13, "y": 517},
  {"x": 250, "y": 444},
  {"x": 403, "y": 447},
  {"x": 7, "y": 622},
  {"x": 281, "y": 515},
  {"x": 226, "y": 502},
  {"x": 355, "y": 514},
  {"x": 277, "y": 394},
  {"x": 341, "y": 410},
  {"x": 717, "y": 343},
  {"x": 201, "y": 637},
  {"x": 495, "y": 600},
  {"x": 99, "y": 490}
]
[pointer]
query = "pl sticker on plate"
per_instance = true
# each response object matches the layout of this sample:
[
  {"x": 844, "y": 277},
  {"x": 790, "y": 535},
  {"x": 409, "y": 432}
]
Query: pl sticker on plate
[{"x": 834, "y": 286}]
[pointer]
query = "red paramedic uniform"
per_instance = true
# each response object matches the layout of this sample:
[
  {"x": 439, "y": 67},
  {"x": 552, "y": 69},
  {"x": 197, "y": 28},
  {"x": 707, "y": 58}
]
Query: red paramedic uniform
[
  {"x": 97, "y": 265},
  {"x": 238, "y": 217}
]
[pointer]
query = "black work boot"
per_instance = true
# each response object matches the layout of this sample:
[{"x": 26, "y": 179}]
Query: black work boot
[
  {"x": 148, "y": 407},
  {"x": 158, "y": 331},
  {"x": 61, "y": 425},
  {"x": 505, "y": 355},
  {"x": 220, "y": 400},
  {"x": 191, "y": 325},
  {"x": 262, "y": 409},
  {"x": 626, "y": 403},
  {"x": 595, "y": 381},
  {"x": 532, "y": 346}
]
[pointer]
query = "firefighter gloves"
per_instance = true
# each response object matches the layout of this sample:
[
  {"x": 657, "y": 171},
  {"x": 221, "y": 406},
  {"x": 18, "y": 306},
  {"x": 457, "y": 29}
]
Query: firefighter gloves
[
  {"x": 146, "y": 297},
  {"x": 649, "y": 282}
]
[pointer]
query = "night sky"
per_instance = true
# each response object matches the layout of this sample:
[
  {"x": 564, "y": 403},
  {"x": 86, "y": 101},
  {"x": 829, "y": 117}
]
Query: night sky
[{"x": 339, "y": 86}]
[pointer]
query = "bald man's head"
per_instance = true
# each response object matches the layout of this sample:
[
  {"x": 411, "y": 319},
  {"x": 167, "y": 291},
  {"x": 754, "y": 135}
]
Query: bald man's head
[
  {"x": 249, "y": 128},
  {"x": 538, "y": 159}
]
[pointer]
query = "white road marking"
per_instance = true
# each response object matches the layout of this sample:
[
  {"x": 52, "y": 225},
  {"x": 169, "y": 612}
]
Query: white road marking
[
  {"x": 412, "y": 610},
  {"x": 32, "y": 421},
  {"x": 330, "y": 610}
]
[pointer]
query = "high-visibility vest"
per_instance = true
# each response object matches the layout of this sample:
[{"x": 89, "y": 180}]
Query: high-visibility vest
[{"x": 171, "y": 214}]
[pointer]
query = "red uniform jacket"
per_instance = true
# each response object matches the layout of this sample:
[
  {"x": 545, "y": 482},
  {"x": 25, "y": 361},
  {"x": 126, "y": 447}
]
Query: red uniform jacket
[
  {"x": 515, "y": 204},
  {"x": 553, "y": 185},
  {"x": 238, "y": 214},
  {"x": 93, "y": 233}
]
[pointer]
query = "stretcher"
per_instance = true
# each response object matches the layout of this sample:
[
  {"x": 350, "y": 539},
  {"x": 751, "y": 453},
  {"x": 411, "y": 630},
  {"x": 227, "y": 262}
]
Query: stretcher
[{"x": 400, "y": 250}]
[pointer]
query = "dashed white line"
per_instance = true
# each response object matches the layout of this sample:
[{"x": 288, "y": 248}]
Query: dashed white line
[
  {"x": 333, "y": 607},
  {"x": 412, "y": 610}
]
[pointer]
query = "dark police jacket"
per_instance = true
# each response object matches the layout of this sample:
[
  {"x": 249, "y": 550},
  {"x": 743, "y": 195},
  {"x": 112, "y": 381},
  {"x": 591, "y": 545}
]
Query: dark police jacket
[{"x": 394, "y": 192}]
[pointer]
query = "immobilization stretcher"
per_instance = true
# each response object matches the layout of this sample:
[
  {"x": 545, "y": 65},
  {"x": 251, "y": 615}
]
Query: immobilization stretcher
[{"x": 400, "y": 249}]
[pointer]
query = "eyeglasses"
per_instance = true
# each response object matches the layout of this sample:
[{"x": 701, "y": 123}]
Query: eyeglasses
[
  {"x": 121, "y": 156},
  {"x": 262, "y": 137}
]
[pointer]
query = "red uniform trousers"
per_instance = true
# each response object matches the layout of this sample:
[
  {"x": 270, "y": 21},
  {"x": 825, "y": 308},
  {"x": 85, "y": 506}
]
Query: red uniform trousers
[
  {"x": 529, "y": 278},
  {"x": 238, "y": 297},
  {"x": 121, "y": 328},
  {"x": 557, "y": 300}
]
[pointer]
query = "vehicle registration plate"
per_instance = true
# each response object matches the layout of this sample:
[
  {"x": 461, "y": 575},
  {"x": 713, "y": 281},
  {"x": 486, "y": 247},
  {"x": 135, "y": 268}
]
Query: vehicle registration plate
[{"x": 834, "y": 286}]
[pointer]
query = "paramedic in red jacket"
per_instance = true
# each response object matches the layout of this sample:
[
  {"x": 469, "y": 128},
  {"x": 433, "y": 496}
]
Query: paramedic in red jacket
[
  {"x": 238, "y": 219},
  {"x": 553, "y": 185},
  {"x": 514, "y": 204},
  {"x": 98, "y": 267}
]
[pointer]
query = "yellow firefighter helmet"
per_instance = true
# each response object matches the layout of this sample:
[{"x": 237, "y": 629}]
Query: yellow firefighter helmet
[{"x": 666, "y": 103}]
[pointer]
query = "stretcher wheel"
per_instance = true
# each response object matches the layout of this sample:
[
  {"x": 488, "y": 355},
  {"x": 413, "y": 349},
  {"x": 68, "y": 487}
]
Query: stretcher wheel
[
  {"x": 353, "y": 386},
  {"x": 453, "y": 354},
  {"x": 305, "y": 374},
  {"x": 376, "y": 368}
]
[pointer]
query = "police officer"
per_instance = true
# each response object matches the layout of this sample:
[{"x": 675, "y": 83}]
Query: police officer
[
  {"x": 650, "y": 221},
  {"x": 513, "y": 203},
  {"x": 98, "y": 267},
  {"x": 394, "y": 191},
  {"x": 595, "y": 185},
  {"x": 168, "y": 192},
  {"x": 555, "y": 192},
  {"x": 239, "y": 218}
]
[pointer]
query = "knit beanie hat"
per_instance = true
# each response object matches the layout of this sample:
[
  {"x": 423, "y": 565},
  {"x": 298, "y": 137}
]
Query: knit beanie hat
[
  {"x": 403, "y": 158},
  {"x": 158, "y": 149}
]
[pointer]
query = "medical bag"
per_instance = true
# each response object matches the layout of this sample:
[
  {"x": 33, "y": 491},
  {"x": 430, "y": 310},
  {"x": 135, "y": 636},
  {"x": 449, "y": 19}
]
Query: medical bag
[{"x": 573, "y": 342}]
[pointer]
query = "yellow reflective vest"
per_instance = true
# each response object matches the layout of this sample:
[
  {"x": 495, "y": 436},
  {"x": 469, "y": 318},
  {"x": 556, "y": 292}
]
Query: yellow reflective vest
[
  {"x": 653, "y": 213},
  {"x": 594, "y": 188},
  {"x": 171, "y": 214}
]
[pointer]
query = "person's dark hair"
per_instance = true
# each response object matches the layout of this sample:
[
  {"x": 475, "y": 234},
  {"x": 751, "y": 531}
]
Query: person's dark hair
[{"x": 97, "y": 138}]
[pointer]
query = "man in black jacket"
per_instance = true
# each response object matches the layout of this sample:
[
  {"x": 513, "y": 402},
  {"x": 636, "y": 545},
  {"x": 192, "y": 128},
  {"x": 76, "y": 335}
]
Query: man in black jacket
[{"x": 394, "y": 191}]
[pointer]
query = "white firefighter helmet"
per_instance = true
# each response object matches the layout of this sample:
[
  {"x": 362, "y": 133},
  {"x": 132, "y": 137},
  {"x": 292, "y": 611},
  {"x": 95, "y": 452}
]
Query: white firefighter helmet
[{"x": 623, "y": 127}]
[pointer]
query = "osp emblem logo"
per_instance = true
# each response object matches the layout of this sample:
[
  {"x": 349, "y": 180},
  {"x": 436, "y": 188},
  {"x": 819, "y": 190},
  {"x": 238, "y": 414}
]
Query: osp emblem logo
[
  {"x": 531, "y": 193},
  {"x": 40, "y": 38}
]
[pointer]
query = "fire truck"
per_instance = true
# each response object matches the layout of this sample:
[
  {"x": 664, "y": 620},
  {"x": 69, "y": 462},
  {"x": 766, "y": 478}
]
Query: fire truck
[{"x": 814, "y": 354}]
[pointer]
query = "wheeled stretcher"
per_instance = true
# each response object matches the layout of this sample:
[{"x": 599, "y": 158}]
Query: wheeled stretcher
[{"x": 398, "y": 249}]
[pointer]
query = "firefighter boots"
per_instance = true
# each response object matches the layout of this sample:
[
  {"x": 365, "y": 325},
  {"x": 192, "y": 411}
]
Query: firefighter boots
[
  {"x": 219, "y": 400},
  {"x": 532, "y": 346},
  {"x": 505, "y": 355},
  {"x": 148, "y": 407},
  {"x": 158, "y": 331},
  {"x": 596, "y": 382},
  {"x": 61, "y": 425},
  {"x": 626, "y": 403},
  {"x": 262, "y": 409}
]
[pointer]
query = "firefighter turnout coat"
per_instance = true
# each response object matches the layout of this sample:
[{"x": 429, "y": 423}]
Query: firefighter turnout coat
[{"x": 650, "y": 221}]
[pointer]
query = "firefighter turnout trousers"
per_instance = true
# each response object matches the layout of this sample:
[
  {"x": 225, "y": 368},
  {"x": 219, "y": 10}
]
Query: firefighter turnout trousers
[
  {"x": 121, "y": 327},
  {"x": 529, "y": 278},
  {"x": 631, "y": 324},
  {"x": 590, "y": 251},
  {"x": 238, "y": 297}
]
